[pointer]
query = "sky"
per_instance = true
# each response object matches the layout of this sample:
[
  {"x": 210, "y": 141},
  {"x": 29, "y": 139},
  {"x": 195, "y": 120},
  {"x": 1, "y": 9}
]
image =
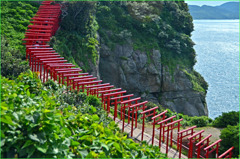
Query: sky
[{"x": 209, "y": 3}]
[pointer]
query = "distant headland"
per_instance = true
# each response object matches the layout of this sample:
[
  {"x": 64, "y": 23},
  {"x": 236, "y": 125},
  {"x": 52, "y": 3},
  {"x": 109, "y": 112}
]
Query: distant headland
[{"x": 229, "y": 10}]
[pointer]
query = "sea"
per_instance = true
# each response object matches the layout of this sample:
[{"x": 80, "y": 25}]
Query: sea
[{"x": 217, "y": 49}]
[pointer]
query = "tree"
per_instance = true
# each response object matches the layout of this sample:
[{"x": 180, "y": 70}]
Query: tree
[
  {"x": 230, "y": 137},
  {"x": 230, "y": 118}
]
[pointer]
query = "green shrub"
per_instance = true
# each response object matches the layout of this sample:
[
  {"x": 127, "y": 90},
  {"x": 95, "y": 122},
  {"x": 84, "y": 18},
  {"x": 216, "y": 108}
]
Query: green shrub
[
  {"x": 94, "y": 101},
  {"x": 14, "y": 22},
  {"x": 11, "y": 62},
  {"x": 230, "y": 118},
  {"x": 50, "y": 84},
  {"x": 199, "y": 121},
  {"x": 230, "y": 137}
]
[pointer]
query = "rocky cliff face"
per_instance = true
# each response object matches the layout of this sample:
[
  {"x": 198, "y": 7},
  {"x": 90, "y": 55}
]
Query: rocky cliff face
[
  {"x": 131, "y": 71},
  {"x": 142, "y": 47}
]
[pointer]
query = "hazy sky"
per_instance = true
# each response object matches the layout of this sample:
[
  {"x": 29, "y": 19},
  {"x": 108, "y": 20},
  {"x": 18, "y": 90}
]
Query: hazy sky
[{"x": 210, "y": 3}]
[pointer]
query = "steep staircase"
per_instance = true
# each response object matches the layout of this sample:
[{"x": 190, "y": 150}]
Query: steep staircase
[{"x": 49, "y": 64}]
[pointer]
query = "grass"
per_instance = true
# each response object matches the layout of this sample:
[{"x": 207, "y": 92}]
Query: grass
[
  {"x": 199, "y": 84},
  {"x": 124, "y": 58}
]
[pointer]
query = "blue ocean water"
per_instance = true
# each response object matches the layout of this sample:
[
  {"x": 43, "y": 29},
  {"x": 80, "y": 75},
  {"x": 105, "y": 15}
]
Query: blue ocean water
[{"x": 217, "y": 49}]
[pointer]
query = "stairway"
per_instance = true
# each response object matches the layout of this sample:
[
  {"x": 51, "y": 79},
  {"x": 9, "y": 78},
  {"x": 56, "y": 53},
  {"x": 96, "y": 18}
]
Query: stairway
[{"x": 50, "y": 65}]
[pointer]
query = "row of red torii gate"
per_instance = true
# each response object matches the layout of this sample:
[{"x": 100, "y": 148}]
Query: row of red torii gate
[{"x": 43, "y": 59}]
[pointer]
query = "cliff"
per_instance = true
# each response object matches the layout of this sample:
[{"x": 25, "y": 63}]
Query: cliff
[{"x": 143, "y": 47}]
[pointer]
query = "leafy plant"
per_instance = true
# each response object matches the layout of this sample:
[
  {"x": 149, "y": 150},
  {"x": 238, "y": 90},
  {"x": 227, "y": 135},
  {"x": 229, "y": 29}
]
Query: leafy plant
[
  {"x": 199, "y": 84},
  {"x": 40, "y": 121},
  {"x": 15, "y": 18},
  {"x": 200, "y": 121},
  {"x": 11, "y": 61},
  {"x": 230, "y": 137},
  {"x": 230, "y": 118}
]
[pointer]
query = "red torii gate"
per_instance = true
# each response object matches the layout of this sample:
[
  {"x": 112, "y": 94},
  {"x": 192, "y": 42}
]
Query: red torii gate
[
  {"x": 197, "y": 136},
  {"x": 37, "y": 56},
  {"x": 73, "y": 75},
  {"x": 128, "y": 102},
  {"x": 31, "y": 48},
  {"x": 161, "y": 128},
  {"x": 116, "y": 102},
  {"x": 83, "y": 84},
  {"x": 50, "y": 66},
  {"x": 148, "y": 115},
  {"x": 227, "y": 154},
  {"x": 201, "y": 144},
  {"x": 153, "y": 118},
  {"x": 79, "y": 81},
  {"x": 161, "y": 116},
  {"x": 107, "y": 96},
  {"x": 134, "y": 111},
  {"x": 61, "y": 72},
  {"x": 108, "y": 91},
  {"x": 189, "y": 131},
  {"x": 72, "y": 79},
  {"x": 32, "y": 35},
  {"x": 43, "y": 61},
  {"x": 213, "y": 149},
  {"x": 54, "y": 71},
  {"x": 95, "y": 90},
  {"x": 95, "y": 86},
  {"x": 50, "y": 61},
  {"x": 54, "y": 20},
  {"x": 34, "y": 41},
  {"x": 42, "y": 23},
  {"x": 39, "y": 31},
  {"x": 33, "y": 52},
  {"x": 40, "y": 27},
  {"x": 168, "y": 129},
  {"x": 40, "y": 56}
]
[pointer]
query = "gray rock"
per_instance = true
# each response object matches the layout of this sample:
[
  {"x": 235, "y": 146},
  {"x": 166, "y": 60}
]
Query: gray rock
[
  {"x": 130, "y": 70},
  {"x": 176, "y": 82}
]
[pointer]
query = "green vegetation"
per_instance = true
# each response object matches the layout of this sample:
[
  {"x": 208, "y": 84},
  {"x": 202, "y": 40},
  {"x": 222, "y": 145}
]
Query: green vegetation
[
  {"x": 41, "y": 121},
  {"x": 15, "y": 18},
  {"x": 199, "y": 84},
  {"x": 124, "y": 58},
  {"x": 230, "y": 118},
  {"x": 12, "y": 63},
  {"x": 165, "y": 26},
  {"x": 230, "y": 137},
  {"x": 77, "y": 38},
  {"x": 230, "y": 134},
  {"x": 14, "y": 21},
  {"x": 200, "y": 121}
]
